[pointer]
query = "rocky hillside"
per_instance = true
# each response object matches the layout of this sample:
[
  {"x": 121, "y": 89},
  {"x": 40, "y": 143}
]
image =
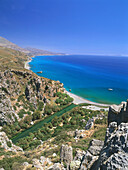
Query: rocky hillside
[
  {"x": 11, "y": 59},
  {"x": 76, "y": 139},
  {"x": 5, "y": 43},
  {"x": 38, "y": 52},
  {"x": 28, "y": 50}
]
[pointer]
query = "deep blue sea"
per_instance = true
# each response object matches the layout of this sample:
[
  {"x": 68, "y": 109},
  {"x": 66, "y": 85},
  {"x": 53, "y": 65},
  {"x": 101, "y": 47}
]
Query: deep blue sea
[{"x": 87, "y": 76}]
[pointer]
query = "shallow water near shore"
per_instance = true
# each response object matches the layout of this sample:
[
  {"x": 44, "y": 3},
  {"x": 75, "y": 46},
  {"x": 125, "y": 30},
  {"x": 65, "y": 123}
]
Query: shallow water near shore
[{"x": 90, "y": 77}]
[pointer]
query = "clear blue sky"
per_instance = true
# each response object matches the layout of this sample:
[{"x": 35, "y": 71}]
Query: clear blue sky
[{"x": 70, "y": 26}]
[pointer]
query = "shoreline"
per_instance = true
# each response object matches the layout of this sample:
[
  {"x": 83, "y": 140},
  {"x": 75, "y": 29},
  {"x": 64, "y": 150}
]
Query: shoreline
[
  {"x": 26, "y": 64},
  {"x": 77, "y": 99}
]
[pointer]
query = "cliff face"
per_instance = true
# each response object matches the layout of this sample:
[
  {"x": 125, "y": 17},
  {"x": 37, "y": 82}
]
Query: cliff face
[
  {"x": 114, "y": 154},
  {"x": 118, "y": 113},
  {"x": 19, "y": 89},
  {"x": 7, "y": 144}
]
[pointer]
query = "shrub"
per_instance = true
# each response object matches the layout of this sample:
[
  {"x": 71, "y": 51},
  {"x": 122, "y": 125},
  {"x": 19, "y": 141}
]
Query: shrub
[
  {"x": 14, "y": 107},
  {"x": 36, "y": 115},
  {"x": 5, "y": 90},
  {"x": 9, "y": 144},
  {"x": 7, "y": 81},
  {"x": 21, "y": 113},
  {"x": 40, "y": 106}
]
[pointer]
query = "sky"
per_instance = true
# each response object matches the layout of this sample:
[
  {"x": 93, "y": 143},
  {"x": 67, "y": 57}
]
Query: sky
[{"x": 68, "y": 26}]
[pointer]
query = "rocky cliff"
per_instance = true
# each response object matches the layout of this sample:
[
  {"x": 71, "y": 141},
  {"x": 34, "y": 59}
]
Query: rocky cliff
[
  {"x": 19, "y": 87},
  {"x": 118, "y": 113}
]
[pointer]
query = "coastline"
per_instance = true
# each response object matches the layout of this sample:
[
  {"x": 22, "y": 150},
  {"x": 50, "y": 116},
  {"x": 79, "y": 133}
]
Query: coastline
[
  {"x": 26, "y": 64},
  {"x": 77, "y": 99}
]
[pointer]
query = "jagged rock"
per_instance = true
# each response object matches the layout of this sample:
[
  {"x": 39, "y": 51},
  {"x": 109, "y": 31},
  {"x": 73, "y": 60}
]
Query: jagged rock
[
  {"x": 79, "y": 155},
  {"x": 44, "y": 161},
  {"x": 95, "y": 147},
  {"x": 66, "y": 154},
  {"x": 56, "y": 166},
  {"x": 74, "y": 165},
  {"x": 7, "y": 113},
  {"x": 4, "y": 143},
  {"x": 118, "y": 113},
  {"x": 89, "y": 124},
  {"x": 80, "y": 133},
  {"x": 114, "y": 154},
  {"x": 92, "y": 154}
]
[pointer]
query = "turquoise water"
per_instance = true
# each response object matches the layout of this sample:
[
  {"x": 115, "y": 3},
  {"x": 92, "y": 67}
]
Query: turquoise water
[{"x": 87, "y": 76}]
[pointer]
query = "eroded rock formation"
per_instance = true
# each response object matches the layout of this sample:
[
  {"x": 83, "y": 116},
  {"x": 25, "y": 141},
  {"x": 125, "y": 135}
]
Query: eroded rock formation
[{"x": 118, "y": 113}]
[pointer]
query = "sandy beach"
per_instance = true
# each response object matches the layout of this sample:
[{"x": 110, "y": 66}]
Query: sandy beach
[
  {"x": 26, "y": 64},
  {"x": 78, "y": 100}
]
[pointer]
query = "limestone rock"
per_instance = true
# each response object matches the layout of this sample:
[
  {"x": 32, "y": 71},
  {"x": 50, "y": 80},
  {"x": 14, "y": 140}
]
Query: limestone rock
[
  {"x": 4, "y": 143},
  {"x": 74, "y": 165},
  {"x": 79, "y": 154},
  {"x": 66, "y": 154},
  {"x": 118, "y": 113},
  {"x": 114, "y": 154},
  {"x": 56, "y": 166},
  {"x": 92, "y": 154}
]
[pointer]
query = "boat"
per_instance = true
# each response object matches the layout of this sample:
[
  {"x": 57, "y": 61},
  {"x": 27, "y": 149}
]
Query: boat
[
  {"x": 69, "y": 89},
  {"x": 110, "y": 89}
]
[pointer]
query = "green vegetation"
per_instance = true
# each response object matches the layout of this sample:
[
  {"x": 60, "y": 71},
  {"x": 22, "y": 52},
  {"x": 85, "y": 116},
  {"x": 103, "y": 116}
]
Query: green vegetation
[
  {"x": 21, "y": 113},
  {"x": 63, "y": 99},
  {"x": 5, "y": 90},
  {"x": 14, "y": 163},
  {"x": 9, "y": 144},
  {"x": 64, "y": 123},
  {"x": 41, "y": 123},
  {"x": 11, "y": 59}
]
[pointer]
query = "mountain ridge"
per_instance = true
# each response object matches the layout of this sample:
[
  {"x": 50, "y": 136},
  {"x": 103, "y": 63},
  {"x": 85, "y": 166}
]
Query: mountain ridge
[{"x": 27, "y": 50}]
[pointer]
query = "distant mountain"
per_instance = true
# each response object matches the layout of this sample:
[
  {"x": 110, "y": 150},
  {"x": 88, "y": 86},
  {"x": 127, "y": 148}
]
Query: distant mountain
[
  {"x": 29, "y": 51},
  {"x": 34, "y": 51},
  {"x": 5, "y": 43}
]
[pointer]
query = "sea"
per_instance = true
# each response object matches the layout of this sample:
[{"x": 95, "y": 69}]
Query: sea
[{"x": 102, "y": 79}]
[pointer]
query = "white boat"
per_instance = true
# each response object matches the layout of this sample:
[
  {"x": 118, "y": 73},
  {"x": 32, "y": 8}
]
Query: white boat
[{"x": 110, "y": 89}]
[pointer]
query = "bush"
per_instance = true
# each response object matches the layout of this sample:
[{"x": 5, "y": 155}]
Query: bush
[
  {"x": 7, "y": 81},
  {"x": 21, "y": 113},
  {"x": 5, "y": 90},
  {"x": 36, "y": 115},
  {"x": 9, "y": 144},
  {"x": 14, "y": 107},
  {"x": 40, "y": 106},
  {"x": 7, "y": 163}
]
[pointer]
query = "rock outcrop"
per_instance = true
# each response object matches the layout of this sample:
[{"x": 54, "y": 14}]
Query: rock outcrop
[
  {"x": 23, "y": 89},
  {"x": 118, "y": 113},
  {"x": 66, "y": 155},
  {"x": 91, "y": 155},
  {"x": 114, "y": 154},
  {"x": 7, "y": 113},
  {"x": 7, "y": 144}
]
